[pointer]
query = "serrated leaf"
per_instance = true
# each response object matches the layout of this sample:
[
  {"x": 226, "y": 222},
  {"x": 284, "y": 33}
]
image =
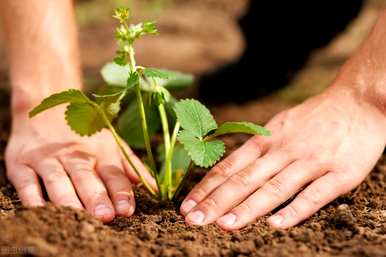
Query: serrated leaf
[
  {"x": 84, "y": 119},
  {"x": 115, "y": 75},
  {"x": 111, "y": 103},
  {"x": 240, "y": 127},
  {"x": 69, "y": 96},
  {"x": 203, "y": 153},
  {"x": 129, "y": 126},
  {"x": 194, "y": 117},
  {"x": 157, "y": 73}
]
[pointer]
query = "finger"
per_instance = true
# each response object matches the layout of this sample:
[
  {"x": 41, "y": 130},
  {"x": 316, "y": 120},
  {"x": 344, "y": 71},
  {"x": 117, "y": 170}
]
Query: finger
[
  {"x": 244, "y": 183},
  {"x": 57, "y": 183},
  {"x": 235, "y": 162},
  {"x": 311, "y": 199},
  {"x": 118, "y": 186},
  {"x": 27, "y": 185},
  {"x": 273, "y": 193},
  {"x": 140, "y": 168},
  {"x": 90, "y": 188}
]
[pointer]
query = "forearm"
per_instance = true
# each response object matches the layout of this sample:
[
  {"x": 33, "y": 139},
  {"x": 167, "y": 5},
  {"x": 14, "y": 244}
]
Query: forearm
[
  {"x": 42, "y": 49},
  {"x": 365, "y": 73}
]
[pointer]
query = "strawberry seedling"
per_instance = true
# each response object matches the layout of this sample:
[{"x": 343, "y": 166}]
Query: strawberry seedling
[{"x": 190, "y": 133}]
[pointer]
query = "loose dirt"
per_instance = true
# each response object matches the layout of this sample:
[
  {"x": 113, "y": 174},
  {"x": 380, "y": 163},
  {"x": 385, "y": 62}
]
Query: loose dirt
[{"x": 353, "y": 225}]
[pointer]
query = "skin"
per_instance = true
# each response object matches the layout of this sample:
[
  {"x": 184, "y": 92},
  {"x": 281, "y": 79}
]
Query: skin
[
  {"x": 85, "y": 173},
  {"x": 319, "y": 150}
]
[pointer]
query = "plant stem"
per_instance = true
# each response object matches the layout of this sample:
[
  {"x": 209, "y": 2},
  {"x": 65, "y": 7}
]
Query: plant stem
[
  {"x": 168, "y": 161},
  {"x": 142, "y": 113},
  {"x": 132, "y": 63},
  {"x": 123, "y": 150},
  {"x": 183, "y": 181},
  {"x": 146, "y": 136},
  {"x": 166, "y": 135},
  {"x": 165, "y": 126}
]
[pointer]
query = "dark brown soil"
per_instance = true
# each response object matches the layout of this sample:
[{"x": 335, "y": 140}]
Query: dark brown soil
[{"x": 353, "y": 225}]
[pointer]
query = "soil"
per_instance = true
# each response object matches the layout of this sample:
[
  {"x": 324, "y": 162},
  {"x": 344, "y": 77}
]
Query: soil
[{"x": 352, "y": 225}]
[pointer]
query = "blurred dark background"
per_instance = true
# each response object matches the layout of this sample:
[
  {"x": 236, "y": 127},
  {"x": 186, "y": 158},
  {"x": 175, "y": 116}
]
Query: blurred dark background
[
  {"x": 251, "y": 58},
  {"x": 280, "y": 37}
]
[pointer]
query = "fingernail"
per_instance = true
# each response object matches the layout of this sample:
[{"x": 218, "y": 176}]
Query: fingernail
[
  {"x": 123, "y": 206},
  {"x": 102, "y": 210},
  {"x": 187, "y": 206},
  {"x": 196, "y": 217},
  {"x": 228, "y": 219},
  {"x": 276, "y": 220}
]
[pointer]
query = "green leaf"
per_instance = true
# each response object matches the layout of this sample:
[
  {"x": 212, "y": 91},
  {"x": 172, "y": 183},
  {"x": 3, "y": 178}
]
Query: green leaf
[
  {"x": 150, "y": 28},
  {"x": 111, "y": 103},
  {"x": 161, "y": 95},
  {"x": 129, "y": 126},
  {"x": 133, "y": 79},
  {"x": 84, "y": 119},
  {"x": 180, "y": 162},
  {"x": 138, "y": 30},
  {"x": 157, "y": 73},
  {"x": 240, "y": 127},
  {"x": 203, "y": 153},
  {"x": 121, "y": 58},
  {"x": 122, "y": 14},
  {"x": 194, "y": 117},
  {"x": 178, "y": 81},
  {"x": 69, "y": 96},
  {"x": 121, "y": 32},
  {"x": 115, "y": 75}
]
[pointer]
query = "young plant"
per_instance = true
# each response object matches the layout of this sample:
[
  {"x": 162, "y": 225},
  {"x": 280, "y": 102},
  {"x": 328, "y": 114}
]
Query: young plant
[{"x": 190, "y": 133}]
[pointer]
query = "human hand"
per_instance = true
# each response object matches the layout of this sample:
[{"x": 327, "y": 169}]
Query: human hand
[
  {"x": 322, "y": 148},
  {"x": 82, "y": 172}
]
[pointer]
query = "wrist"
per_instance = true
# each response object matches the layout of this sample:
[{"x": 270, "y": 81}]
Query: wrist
[
  {"x": 29, "y": 94},
  {"x": 363, "y": 82}
]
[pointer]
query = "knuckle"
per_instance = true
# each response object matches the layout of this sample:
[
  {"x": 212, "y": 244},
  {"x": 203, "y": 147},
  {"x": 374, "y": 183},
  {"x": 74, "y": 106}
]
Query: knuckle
[
  {"x": 82, "y": 175},
  {"x": 94, "y": 197},
  {"x": 256, "y": 141},
  {"x": 312, "y": 197},
  {"x": 241, "y": 178},
  {"x": 274, "y": 187},
  {"x": 292, "y": 211},
  {"x": 54, "y": 176},
  {"x": 21, "y": 183},
  {"x": 243, "y": 208},
  {"x": 112, "y": 174},
  {"x": 223, "y": 168},
  {"x": 198, "y": 194},
  {"x": 209, "y": 204}
]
